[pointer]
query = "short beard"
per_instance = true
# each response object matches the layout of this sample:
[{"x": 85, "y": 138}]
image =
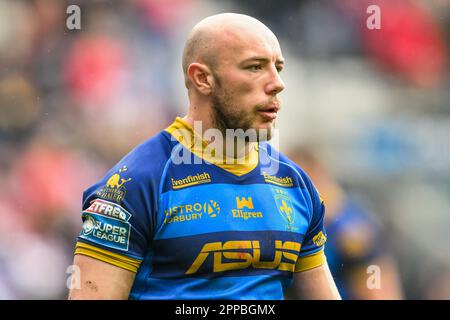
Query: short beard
[{"x": 226, "y": 116}]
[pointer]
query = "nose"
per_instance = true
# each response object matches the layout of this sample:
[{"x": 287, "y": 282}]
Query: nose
[{"x": 275, "y": 85}]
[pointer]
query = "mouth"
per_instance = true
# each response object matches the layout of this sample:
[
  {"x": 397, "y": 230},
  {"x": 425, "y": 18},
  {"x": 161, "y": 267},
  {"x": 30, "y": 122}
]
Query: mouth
[{"x": 269, "y": 112}]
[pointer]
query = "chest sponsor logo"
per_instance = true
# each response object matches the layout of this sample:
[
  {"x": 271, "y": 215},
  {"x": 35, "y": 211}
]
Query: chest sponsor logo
[
  {"x": 245, "y": 209},
  {"x": 191, "y": 180},
  {"x": 279, "y": 181},
  {"x": 114, "y": 188},
  {"x": 242, "y": 254},
  {"x": 193, "y": 211},
  {"x": 107, "y": 223}
]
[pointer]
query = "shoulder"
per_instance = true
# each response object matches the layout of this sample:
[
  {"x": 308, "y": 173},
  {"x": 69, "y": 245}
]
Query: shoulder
[
  {"x": 147, "y": 160},
  {"x": 285, "y": 165},
  {"x": 148, "y": 157},
  {"x": 139, "y": 170}
]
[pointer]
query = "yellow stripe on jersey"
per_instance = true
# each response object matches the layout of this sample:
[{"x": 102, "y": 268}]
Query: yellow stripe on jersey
[
  {"x": 311, "y": 261},
  {"x": 185, "y": 134},
  {"x": 115, "y": 259}
]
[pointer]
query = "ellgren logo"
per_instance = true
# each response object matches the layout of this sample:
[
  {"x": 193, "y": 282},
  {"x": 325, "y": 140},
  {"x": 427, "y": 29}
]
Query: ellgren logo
[
  {"x": 192, "y": 211},
  {"x": 285, "y": 208},
  {"x": 242, "y": 203},
  {"x": 244, "y": 254},
  {"x": 114, "y": 188}
]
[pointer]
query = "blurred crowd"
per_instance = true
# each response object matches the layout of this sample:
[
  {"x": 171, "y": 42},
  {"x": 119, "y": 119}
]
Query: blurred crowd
[{"x": 372, "y": 105}]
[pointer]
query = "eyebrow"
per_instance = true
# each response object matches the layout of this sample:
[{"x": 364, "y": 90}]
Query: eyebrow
[{"x": 263, "y": 59}]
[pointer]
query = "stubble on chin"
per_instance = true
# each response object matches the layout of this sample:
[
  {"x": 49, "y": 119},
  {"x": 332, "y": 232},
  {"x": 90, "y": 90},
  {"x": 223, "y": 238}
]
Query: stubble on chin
[{"x": 224, "y": 116}]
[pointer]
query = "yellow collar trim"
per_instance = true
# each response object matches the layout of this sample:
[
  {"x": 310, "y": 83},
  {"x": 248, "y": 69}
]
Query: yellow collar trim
[{"x": 185, "y": 134}]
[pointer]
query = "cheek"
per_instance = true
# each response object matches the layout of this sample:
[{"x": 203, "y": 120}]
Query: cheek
[
  {"x": 244, "y": 96},
  {"x": 240, "y": 93},
  {"x": 240, "y": 85}
]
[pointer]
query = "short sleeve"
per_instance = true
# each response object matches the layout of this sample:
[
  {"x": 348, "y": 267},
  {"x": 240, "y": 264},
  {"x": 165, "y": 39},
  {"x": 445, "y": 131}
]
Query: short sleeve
[
  {"x": 312, "y": 250},
  {"x": 117, "y": 222}
]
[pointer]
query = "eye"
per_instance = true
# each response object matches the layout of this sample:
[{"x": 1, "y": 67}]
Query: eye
[
  {"x": 254, "y": 67},
  {"x": 279, "y": 69}
]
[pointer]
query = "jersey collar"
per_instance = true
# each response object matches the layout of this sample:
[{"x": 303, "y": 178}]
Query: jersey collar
[{"x": 185, "y": 134}]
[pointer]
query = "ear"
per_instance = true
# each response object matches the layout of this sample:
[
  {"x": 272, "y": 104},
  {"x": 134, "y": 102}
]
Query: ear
[{"x": 201, "y": 77}]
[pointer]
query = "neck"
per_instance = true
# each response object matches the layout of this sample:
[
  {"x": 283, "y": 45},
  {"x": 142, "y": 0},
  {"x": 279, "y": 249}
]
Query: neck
[{"x": 203, "y": 124}]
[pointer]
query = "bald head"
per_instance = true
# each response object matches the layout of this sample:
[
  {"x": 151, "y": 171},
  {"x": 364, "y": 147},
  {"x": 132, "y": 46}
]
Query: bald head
[{"x": 216, "y": 35}]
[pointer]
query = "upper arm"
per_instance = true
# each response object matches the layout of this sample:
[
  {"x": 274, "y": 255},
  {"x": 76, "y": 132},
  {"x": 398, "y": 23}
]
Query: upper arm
[
  {"x": 313, "y": 279},
  {"x": 315, "y": 284},
  {"x": 114, "y": 238},
  {"x": 100, "y": 280}
]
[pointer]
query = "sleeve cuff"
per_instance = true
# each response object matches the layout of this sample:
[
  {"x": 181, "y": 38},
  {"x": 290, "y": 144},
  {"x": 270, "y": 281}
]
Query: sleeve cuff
[
  {"x": 115, "y": 259},
  {"x": 311, "y": 261}
]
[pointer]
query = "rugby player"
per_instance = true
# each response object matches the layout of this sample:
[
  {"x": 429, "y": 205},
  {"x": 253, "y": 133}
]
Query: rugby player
[{"x": 176, "y": 219}]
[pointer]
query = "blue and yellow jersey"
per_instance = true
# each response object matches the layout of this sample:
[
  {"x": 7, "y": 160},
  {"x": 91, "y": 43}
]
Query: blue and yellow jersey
[{"x": 192, "y": 227}]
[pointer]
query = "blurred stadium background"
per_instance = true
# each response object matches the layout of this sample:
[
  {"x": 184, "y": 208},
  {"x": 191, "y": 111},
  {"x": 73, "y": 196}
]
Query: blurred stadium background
[{"x": 373, "y": 105}]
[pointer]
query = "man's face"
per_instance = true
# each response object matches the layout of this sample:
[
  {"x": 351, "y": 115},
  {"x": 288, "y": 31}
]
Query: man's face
[{"x": 246, "y": 85}]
